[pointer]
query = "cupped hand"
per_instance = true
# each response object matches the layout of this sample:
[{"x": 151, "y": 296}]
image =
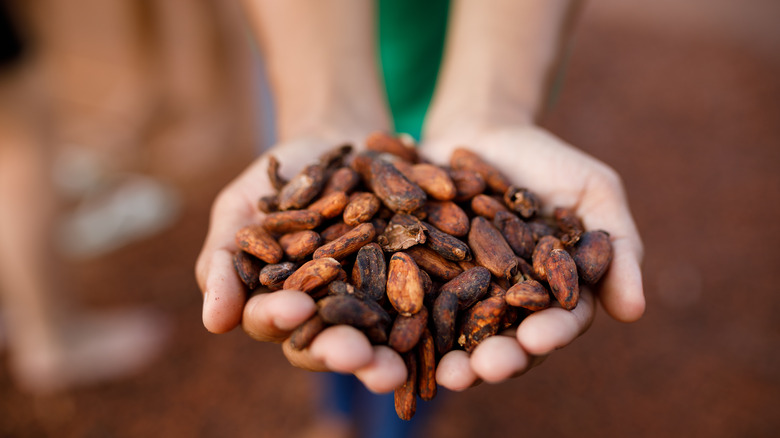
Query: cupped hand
[
  {"x": 564, "y": 176},
  {"x": 271, "y": 317}
]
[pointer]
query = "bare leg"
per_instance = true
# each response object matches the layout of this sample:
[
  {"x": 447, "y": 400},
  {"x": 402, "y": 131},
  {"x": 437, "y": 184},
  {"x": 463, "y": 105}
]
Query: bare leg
[{"x": 52, "y": 344}]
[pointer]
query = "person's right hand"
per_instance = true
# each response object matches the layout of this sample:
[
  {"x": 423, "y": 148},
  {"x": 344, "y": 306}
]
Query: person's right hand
[{"x": 271, "y": 317}]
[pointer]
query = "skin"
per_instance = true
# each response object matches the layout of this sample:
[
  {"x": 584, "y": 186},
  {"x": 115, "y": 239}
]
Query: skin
[{"x": 497, "y": 67}]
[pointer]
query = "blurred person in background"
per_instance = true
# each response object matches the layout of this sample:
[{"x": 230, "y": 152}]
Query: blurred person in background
[
  {"x": 499, "y": 66},
  {"x": 104, "y": 107},
  {"x": 53, "y": 343}
]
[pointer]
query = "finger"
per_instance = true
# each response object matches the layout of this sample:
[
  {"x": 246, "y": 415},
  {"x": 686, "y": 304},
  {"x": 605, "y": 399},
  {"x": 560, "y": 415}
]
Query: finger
[
  {"x": 271, "y": 317},
  {"x": 342, "y": 349},
  {"x": 549, "y": 329},
  {"x": 454, "y": 371},
  {"x": 302, "y": 358},
  {"x": 621, "y": 292},
  {"x": 605, "y": 207},
  {"x": 386, "y": 371},
  {"x": 224, "y": 296},
  {"x": 231, "y": 211},
  {"x": 498, "y": 358}
]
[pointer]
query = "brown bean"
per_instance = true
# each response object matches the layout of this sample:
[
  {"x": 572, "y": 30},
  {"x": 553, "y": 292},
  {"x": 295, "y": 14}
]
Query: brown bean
[
  {"x": 469, "y": 286},
  {"x": 448, "y": 217},
  {"x": 517, "y": 234},
  {"x": 361, "y": 208},
  {"x": 562, "y": 278},
  {"x": 369, "y": 273},
  {"x": 256, "y": 240},
  {"x": 348, "y": 243},
  {"x": 464, "y": 159},
  {"x": 406, "y": 331},
  {"x": 282, "y": 222},
  {"x": 433, "y": 263},
  {"x": 299, "y": 244},
  {"x": 405, "y": 396},
  {"x": 490, "y": 249},
  {"x": 529, "y": 294},
  {"x": 305, "y": 333},
  {"x": 274, "y": 275},
  {"x": 248, "y": 268},
  {"x": 313, "y": 275},
  {"x": 481, "y": 321},
  {"x": 592, "y": 255},
  {"x": 487, "y": 206},
  {"x": 330, "y": 205},
  {"x": 426, "y": 364},
  {"x": 404, "y": 284},
  {"x": 541, "y": 252},
  {"x": 444, "y": 316}
]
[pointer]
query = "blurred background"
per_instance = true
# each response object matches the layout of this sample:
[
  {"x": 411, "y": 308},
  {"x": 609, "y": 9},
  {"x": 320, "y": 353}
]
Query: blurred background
[{"x": 161, "y": 102}]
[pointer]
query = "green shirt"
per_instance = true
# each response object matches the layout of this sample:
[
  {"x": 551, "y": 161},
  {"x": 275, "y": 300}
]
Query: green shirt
[{"x": 411, "y": 41}]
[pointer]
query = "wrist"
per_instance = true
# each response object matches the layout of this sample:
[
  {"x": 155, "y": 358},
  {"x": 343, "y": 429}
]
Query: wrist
[{"x": 474, "y": 115}]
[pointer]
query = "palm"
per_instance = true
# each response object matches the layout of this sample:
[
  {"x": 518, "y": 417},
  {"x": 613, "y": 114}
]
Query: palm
[{"x": 562, "y": 176}]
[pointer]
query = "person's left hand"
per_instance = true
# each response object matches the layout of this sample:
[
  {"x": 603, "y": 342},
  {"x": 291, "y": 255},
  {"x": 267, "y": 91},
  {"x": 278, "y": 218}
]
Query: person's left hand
[{"x": 560, "y": 175}]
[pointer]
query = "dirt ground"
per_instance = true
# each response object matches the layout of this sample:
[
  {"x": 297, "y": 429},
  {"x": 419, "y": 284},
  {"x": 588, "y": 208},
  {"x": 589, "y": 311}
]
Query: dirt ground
[{"x": 685, "y": 105}]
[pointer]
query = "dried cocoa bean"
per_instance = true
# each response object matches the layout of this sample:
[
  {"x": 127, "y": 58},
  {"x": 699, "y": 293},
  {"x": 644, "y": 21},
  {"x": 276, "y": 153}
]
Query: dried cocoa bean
[
  {"x": 434, "y": 181},
  {"x": 334, "y": 231},
  {"x": 467, "y": 184},
  {"x": 369, "y": 273},
  {"x": 562, "y": 278},
  {"x": 541, "y": 252},
  {"x": 406, "y": 331},
  {"x": 444, "y": 315},
  {"x": 404, "y": 284},
  {"x": 487, "y": 206},
  {"x": 403, "y": 231},
  {"x": 302, "y": 188},
  {"x": 592, "y": 255},
  {"x": 330, "y": 205},
  {"x": 273, "y": 276},
  {"x": 361, "y": 208},
  {"x": 464, "y": 159},
  {"x": 517, "y": 234},
  {"x": 529, "y": 294},
  {"x": 396, "y": 192},
  {"x": 426, "y": 364},
  {"x": 469, "y": 286},
  {"x": 490, "y": 249},
  {"x": 248, "y": 268},
  {"x": 433, "y": 263},
  {"x": 522, "y": 201},
  {"x": 569, "y": 224},
  {"x": 481, "y": 321},
  {"x": 274, "y": 177},
  {"x": 383, "y": 142},
  {"x": 448, "y": 217},
  {"x": 450, "y": 247},
  {"x": 299, "y": 244},
  {"x": 313, "y": 274},
  {"x": 282, "y": 222},
  {"x": 305, "y": 333},
  {"x": 348, "y": 243},
  {"x": 349, "y": 310},
  {"x": 343, "y": 179},
  {"x": 405, "y": 396},
  {"x": 255, "y": 240},
  {"x": 268, "y": 204}
]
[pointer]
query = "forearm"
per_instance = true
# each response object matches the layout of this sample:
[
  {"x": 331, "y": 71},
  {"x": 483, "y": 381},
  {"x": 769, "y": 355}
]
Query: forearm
[
  {"x": 499, "y": 60},
  {"x": 321, "y": 63}
]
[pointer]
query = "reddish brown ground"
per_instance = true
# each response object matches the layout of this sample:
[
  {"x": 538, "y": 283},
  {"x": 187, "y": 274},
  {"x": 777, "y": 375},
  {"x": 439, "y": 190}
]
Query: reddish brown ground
[{"x": 689, "y": 117}]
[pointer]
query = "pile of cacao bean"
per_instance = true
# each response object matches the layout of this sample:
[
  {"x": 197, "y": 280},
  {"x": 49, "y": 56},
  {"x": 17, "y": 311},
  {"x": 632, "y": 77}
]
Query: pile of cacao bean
[{"x": 419, "y": 257}]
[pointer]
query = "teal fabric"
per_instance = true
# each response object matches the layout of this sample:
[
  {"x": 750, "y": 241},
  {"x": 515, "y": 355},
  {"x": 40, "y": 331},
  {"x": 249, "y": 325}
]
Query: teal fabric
[{"x": 411, "y": 42}]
